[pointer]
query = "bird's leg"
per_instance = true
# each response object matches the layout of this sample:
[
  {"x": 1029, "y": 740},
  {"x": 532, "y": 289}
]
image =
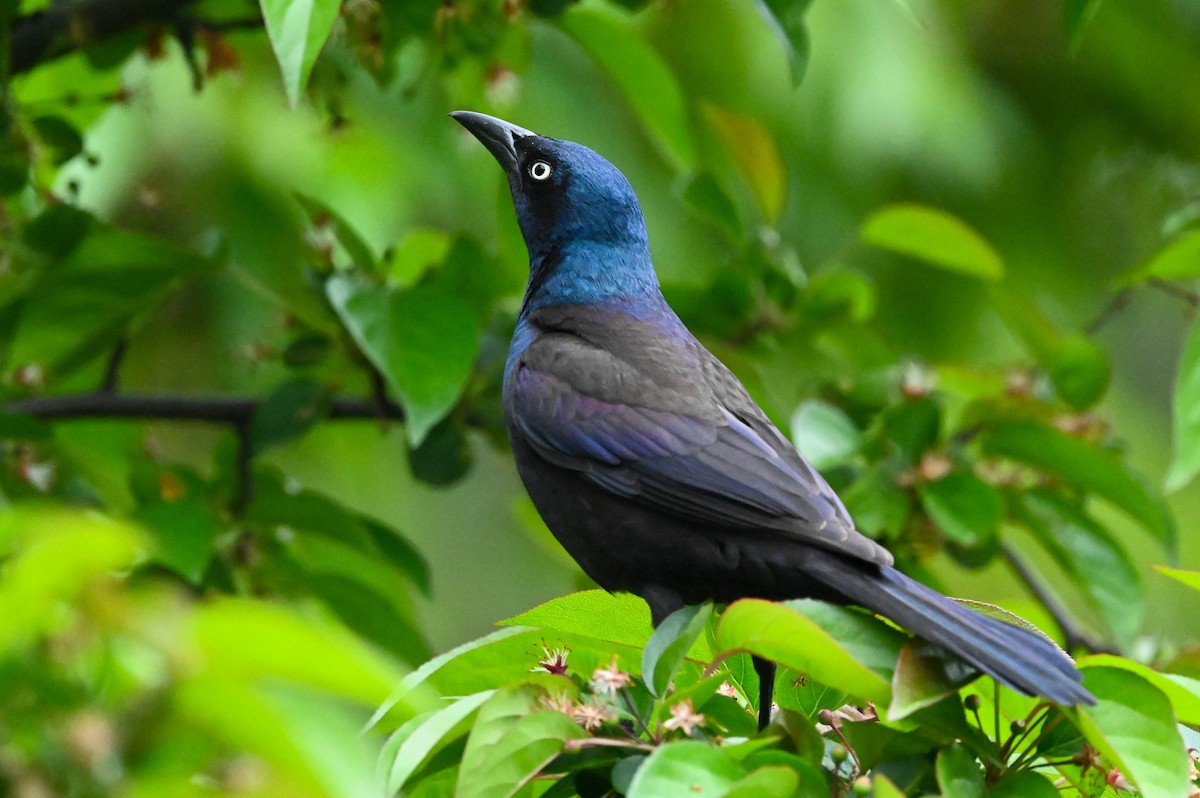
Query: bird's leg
[{"x": 766, "y": 689}]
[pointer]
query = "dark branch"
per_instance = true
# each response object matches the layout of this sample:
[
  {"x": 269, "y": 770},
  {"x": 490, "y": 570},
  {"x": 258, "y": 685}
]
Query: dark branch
[
  {"x": 215, "y": 410},
  {"x": 1073, "y": 636},
  {"x": 63, "y": 28}
]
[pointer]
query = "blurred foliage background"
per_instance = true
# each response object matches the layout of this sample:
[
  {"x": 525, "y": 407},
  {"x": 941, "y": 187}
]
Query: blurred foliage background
[{"x": 950, "y": 246}]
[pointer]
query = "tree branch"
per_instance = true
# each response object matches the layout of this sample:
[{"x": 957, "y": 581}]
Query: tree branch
[
  {"x": 1073, "y": 636},
  {"x": 64, "y": 27},
  {"x": 211, "y": 410}
]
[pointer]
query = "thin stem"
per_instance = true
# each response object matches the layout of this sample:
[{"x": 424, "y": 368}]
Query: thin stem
[
  {"x": 1073, "y": 636},
  {"x": 206, "y": 410}
]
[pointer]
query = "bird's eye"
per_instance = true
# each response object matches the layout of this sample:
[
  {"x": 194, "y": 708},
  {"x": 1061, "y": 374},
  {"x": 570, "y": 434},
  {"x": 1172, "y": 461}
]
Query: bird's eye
[{"x": 539, "y": 170}]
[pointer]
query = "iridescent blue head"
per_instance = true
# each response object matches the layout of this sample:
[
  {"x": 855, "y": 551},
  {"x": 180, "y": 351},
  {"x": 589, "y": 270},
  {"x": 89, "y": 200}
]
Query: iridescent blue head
[{"x": 581, "y": 221}]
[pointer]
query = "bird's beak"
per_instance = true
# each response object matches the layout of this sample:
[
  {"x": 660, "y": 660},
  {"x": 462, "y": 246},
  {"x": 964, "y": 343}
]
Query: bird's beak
[{"x": 497, "y": 135}]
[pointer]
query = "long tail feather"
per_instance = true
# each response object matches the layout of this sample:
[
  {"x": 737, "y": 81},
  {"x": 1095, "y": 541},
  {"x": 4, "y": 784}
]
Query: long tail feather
[{"x": 1017, "y": 657}]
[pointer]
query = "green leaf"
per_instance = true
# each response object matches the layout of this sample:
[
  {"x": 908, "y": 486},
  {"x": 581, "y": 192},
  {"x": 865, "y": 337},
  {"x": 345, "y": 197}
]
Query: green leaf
[
  {"x": 620, "y": 618},
  {"x": 1133, "y": 727},
  {"x": 1183, "y": 692},
  {"x": 771, "y": 781},
  {"x": 792, "y": 32},
  {"x": 1186, "y": 414},
  {"x": 414, "y": 680},
  {"x": 184, "y": 533},
  {"x": 670, "y": 643},
  {"x": 1189, "y": 578},
  {"x": 924, "y": 675},
  {"x": 934, "y": 236},
  {"x": 1084, "y": 465},
  {"x": 705, "y": 195},
  {"x": 609, "y": 36},
  {"x": 1079, "y": 370},
  {"x": 1078, "y": 14},
  {"x": 824, "y": 434},
  {"x": 1078, "y": 367},
  {"x": 512, "y": 740},
  {"x": 753, "y": 149},
  {"x": 93, "y": 296},
  {"x": 1094, "y": 562},
  {"x": 288, "y": 412},
  {"x": 252, "y": 640},
  {"x": 357, "y": 249},
  {"x": 784, "y": 635},
  {"x": 958, "y": 774},
  {"x": 967, "y": 509},
  {"x": 417, "y": 741},
  {"x": 707, "y": 772},
  {"x": 298, "y": 30},
  {"x": 60, "y": 136},
  {"x": 50, "y": 557},
  {"x": 1178, "y": 260},
  {"x": 444, "y": 457},
  {"x": 421, "y": 250},
  {"x": 1024, "y": 784},
  {"x": 422, "y": 340}
]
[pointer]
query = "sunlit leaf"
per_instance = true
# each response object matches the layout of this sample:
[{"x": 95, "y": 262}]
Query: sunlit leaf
[
  {"x": 786, "y": 636},
  {"x": 422, "y": 340},
  {"x": 824, "y": 434},
  {"x": 1189, "y": 578},
  {"x": 1186, "y": 413},
  {"x": 704, "y": 769},
  {"x": 771, "y": 781},
  {"x": 1082, "y": 464},
  {"x": 418, "y": 677},
  {"x": 298, "y": 30},
  {"x": 414, "y": 743},
  {"x": 1183, "y": 692},
  {"x": 608, "y": 35},
  {"x": 934, "y": 236},
  {"x": 512, "y": 739},
  {"x": 51, "y": 557},
  {"x": 670, "y": 643},
  {"x": 254, "y": 640},
  {"x": 1133, "y": 726},
  {"x": 1178, "y": 260},
  {"x": 620, "y": 618}
]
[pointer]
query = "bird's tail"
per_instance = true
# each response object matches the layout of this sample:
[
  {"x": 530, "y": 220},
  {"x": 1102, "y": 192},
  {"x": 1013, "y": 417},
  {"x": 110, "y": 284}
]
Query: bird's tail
[{"x": 1019, "y": 658}]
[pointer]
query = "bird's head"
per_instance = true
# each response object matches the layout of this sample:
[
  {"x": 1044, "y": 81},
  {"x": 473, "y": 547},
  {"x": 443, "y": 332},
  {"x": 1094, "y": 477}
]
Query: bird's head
[{"x": 564, "y": 192}]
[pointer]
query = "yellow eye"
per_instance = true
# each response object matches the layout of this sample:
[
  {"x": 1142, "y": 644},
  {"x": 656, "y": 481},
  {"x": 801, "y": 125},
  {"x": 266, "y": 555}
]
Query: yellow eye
[{"x": 539, "y": 170}]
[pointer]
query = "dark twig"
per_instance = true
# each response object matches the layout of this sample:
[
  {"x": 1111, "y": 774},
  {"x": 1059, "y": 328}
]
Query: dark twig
[
  {"x": 112, "y": 369},
  {"x": 63, "y": 28},
  {"x": 210, "y": 410},
  {"x": 1073, "y": 636},
  {"x": 1192, "y": 298},
  {"x": 1110, "y": 311}
]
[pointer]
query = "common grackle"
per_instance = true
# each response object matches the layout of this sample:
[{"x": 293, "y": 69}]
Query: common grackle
[{"x": 649, "y": 461}]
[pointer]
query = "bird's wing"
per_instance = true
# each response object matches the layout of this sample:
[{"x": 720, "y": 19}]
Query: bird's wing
[{"x": 666, "y": 425}]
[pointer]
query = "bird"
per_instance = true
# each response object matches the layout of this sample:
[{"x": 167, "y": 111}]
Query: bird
[{"x": 649, "y": 461}]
